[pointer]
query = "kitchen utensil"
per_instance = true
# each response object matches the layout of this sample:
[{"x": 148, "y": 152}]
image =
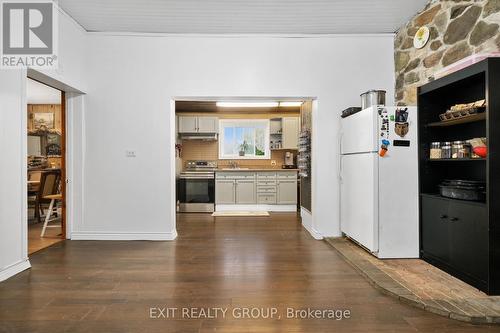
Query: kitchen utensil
[
  {"x": 372, "y": 97},
  {"x": 463, "y": 190}
]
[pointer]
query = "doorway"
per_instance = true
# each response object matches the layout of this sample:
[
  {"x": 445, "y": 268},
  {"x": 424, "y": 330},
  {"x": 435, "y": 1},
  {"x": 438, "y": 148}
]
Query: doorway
[
  {"x": 46, "y": 129},
  {"x": 219, "y": 140}
]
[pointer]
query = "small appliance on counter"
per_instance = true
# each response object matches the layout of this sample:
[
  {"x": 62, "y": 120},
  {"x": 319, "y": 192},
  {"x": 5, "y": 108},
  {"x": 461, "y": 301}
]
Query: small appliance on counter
[
  {"x": 289, "y": 161},
  {"x": 196, "y": 187}
]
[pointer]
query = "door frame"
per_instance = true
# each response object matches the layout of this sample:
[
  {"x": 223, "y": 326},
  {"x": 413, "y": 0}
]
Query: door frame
[
  {"x": 63, "y": 154},
  {"x": 172, "y": 153}
]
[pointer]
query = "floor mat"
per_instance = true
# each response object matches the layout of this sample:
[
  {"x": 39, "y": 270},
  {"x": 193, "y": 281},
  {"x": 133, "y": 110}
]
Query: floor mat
[{"x": 240, "y": 213}]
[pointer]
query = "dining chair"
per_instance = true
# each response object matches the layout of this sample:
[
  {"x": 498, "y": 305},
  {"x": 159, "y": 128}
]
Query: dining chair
[{"x": 49, "y": 193}]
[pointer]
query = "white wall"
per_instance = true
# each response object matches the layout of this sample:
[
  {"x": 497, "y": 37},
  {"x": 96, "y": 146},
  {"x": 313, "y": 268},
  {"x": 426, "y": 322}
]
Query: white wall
[
  {"x": 13, "y": 137},
  {"x": 133, "y": 78}
]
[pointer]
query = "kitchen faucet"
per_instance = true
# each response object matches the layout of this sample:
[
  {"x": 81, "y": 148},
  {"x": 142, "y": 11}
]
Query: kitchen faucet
[{"x": 233, "y": 164}]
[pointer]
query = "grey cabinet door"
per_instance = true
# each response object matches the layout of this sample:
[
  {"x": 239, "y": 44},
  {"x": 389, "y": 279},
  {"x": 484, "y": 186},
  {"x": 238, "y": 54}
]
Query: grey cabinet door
[
  {"x": 188, "y": 124},
  {"x": 245, "y": 192},
  {"x": 287, "y": 192},
  {"x": 207, "y": 124},
  {"x": 290, "y": 132},
  {"x": 225, "y": 192}
]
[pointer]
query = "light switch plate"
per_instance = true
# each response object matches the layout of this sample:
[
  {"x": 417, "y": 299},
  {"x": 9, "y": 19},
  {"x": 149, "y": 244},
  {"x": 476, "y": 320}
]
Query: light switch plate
[{"x": 130, "y": 153}]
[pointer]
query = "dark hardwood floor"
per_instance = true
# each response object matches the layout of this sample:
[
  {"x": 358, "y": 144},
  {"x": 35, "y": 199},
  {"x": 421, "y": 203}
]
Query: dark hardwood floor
[{"x": 96, "y": 286}]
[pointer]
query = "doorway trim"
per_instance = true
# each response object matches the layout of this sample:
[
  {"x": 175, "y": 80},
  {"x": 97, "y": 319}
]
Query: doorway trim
[
  {"x": 68, "y": 108},
  {"x": 309, "y": 225}
]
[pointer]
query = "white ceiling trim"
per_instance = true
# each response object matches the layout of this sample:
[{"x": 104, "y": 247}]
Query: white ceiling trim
[{"x": 222, "y": 35}]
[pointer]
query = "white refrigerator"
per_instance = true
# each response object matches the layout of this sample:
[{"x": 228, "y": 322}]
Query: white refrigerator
[{"x": 379, "y": 181}]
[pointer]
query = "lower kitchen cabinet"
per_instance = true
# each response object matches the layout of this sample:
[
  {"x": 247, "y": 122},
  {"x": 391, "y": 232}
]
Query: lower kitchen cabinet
[
  {"x": 455, "y": 237},
  {"x": 225, "y": 191},
  {"x": 287, "y": 192},
  {"x": 245, "y": 192},
  {"x": 266, "y": 188}
]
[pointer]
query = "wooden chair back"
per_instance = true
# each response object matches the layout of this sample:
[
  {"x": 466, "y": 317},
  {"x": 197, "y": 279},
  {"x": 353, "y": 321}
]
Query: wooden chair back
[{"x": 49, "y": 183}]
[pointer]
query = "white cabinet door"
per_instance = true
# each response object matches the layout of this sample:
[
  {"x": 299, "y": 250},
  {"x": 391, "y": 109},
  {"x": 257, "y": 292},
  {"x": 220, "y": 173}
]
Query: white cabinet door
[
  {"x": 188, "y": 124},
  {"x": 207, "y": 124},
  {"x": 359, "y": 198},
  {"x": 290, "y": 132},
  {"x": 225, "y": 192},
  {"x": 245, "y": 192},
  {"x": 287, "y": 192}
]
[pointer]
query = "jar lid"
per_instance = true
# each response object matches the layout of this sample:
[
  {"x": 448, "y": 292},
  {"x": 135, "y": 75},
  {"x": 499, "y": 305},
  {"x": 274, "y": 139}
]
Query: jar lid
[
  {"x": 458, "y": 142},
  {"x": 446, "y": 143}
]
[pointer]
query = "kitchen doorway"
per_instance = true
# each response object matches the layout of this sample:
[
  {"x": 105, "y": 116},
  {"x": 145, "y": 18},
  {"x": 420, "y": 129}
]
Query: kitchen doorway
[
  {"x": 46, "y": 165},
  {"x": 215, "y": 172}
]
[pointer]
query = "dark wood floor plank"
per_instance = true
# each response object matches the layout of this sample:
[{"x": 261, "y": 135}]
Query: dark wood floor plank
[{"x": 93, "y": 286}]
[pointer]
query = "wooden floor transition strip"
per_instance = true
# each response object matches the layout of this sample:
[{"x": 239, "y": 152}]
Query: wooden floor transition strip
[
  {"x": 422, "y": 285},
  {"x": 240, "y": 214}
]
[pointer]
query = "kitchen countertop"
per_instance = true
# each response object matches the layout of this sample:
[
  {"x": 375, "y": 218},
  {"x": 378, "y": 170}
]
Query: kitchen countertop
[{"x": 254, "y": 170}]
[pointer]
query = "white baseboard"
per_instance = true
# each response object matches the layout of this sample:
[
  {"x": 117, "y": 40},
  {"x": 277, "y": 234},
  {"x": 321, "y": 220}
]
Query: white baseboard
[
  {"x": 14, "y": 269},
  {"x": 256, "y": 208},
  {"x": 308, "y": 225},
  {"x": 124, "y": 236}
]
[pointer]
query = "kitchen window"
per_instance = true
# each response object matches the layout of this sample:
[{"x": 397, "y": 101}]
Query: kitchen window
[{"x": 244, "y": 139}]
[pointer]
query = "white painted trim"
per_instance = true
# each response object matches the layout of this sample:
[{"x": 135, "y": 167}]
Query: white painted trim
[
  {"x": 14, "y": 269},
  {"x": 172, "y": 165},
  {"x": 307, "y": 223},
  {"x": 24, "y": 163},
  {"x": 235, "y": 35},
  {"x": 256, "y": 208},
  {"x": 124, "y": 236}
]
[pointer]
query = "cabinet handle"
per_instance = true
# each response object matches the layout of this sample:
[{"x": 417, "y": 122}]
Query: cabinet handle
[
  {"x": 442, "y": 217},
  {"x": 454, "y": 219}
]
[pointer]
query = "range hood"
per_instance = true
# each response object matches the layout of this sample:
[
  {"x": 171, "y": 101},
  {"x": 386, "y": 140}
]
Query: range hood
[{"x": 199, "y": 136}]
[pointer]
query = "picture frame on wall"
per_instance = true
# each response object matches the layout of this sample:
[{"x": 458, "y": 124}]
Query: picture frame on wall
[{"x": 43, "y": 120}]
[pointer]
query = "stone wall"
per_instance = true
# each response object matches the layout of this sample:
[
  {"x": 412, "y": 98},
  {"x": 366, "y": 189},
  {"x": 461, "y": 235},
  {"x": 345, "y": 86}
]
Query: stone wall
[{"x": 457, "y": 29}]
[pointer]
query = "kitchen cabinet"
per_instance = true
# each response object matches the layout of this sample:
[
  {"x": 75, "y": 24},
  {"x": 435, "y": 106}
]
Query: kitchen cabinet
[
  {"x": 193, "y": 124},
  {"x": 225, "y": 191},
  {"x": 290, "y": 127},
  {"x": 264, "y": 187},
  {"x": 207, "y": 125},
  {"x": 245, "y": 191},
  {"x": 287, "y": 192},
  {"x": 188, "y": 124},
  {"x": 461, "y": 237},
  {"x": 455, "y": 236}
]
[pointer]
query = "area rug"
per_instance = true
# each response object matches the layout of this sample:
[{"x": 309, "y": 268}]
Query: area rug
[{"x": 240, "y": 214}]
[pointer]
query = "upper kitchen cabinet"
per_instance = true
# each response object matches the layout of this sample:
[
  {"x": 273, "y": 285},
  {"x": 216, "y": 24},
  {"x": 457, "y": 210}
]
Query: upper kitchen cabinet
[
  {"x": 290, "y": 132},
  {"x": 285, "y": 133},
  {"x": 192, "y": 124},
  {"x": 207, "y": 125}
]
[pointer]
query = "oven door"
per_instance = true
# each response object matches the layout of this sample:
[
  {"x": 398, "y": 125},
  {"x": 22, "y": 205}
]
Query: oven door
[{"x": 196, "y": 195}]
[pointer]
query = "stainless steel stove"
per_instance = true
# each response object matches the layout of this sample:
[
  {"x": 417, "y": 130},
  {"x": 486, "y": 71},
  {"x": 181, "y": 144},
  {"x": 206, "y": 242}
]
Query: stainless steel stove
[{"x": 196, "y": 187}]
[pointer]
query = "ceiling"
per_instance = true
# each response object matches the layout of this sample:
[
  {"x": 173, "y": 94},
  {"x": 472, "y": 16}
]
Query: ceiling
[
  {"x": 39, "y": 93},
  {"x": 243, "y": 16}
]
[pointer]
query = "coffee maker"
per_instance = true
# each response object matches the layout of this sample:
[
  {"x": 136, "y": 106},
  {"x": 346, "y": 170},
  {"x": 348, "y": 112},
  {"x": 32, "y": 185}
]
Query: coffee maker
[{"x": 289, "y": 161}]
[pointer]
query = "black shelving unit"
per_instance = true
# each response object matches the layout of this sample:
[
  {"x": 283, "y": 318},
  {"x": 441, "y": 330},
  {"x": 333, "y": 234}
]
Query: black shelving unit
[{"x": 461, "y": 237}]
